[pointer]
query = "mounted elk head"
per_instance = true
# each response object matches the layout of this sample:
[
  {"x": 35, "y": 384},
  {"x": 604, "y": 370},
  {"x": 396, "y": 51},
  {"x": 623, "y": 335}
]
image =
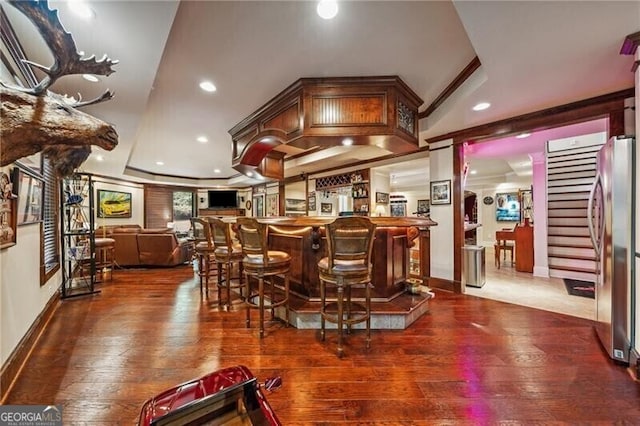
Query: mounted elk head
[{"x": 37, "y": 120}]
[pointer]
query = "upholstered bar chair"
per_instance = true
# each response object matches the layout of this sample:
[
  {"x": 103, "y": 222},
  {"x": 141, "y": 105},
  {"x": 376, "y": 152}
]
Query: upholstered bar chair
[
  {"x": 204, "y": 250},
  {"x": 227, "y": 253},
  {"x": 347, "y": 266},
  {"x": 263, "y": 265}
]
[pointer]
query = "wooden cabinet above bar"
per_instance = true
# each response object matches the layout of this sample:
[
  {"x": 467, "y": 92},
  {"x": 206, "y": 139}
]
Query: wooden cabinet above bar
[{"x": 380, "y": 111}]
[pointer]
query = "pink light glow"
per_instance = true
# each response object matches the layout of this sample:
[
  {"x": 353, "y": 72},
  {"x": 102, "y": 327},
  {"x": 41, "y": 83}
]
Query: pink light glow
[{"x": 535, "y": 143}]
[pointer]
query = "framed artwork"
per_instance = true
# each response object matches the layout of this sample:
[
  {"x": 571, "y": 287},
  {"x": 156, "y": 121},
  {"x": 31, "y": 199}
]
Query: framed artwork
[
  {"x": 182, "y": 205},
  {"x": 272, "y": 204},
  {"x": 113, "y": 204},
  {"x": 398, "y": 209},
  {"x": 30, "y": 191},
  {"x": 326, "y": 208},
  {"x": 33, "y": 163},
  {"x": 311, "y": 205},
  {"x": 441, "y": 192},
  {"x": 423, "y": 207},
  {"x": 258, "y": 205},
  {"x": 382, "y": 198},
  {"x": 507, "y": 207},
  {"x": 8, "y": 212},
  {"x": 295, "y": 205}
]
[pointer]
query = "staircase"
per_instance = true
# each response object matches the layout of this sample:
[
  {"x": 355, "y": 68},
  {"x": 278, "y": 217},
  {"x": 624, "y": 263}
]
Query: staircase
[{"x": 570, "y": 175}]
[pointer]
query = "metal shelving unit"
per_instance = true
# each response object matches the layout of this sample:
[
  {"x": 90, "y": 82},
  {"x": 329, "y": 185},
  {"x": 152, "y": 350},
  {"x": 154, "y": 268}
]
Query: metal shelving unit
[{"x": 77, "y": 235}]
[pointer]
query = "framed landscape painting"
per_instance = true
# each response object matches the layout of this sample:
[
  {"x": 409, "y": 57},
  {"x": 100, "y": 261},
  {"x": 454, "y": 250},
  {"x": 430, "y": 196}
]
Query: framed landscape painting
[{"x": 114, "y": 204}]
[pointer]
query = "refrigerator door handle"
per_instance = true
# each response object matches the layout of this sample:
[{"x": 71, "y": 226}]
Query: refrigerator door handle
[{"x": 592, "y": 232}]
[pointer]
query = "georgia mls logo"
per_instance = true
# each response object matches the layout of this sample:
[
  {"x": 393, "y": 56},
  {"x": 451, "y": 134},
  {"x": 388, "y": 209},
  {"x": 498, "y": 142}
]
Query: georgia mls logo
[{"x": 30, "y": 415}]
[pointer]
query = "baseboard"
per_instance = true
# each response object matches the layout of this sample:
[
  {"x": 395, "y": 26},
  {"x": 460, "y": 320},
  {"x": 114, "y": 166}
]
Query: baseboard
[
  {"x": 541, "y": 271},
  {"x": 12, "y": 367},
  {"x": 634, "y": 364},
  {"x": 443, "y": 284}
]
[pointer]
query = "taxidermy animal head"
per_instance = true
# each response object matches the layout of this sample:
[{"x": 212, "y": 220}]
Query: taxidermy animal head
[{"x": 37, "y": 120}]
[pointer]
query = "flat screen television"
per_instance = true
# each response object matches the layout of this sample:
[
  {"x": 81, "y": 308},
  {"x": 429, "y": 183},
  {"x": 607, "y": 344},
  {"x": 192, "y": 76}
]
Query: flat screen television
[
  {"x": 223, "y": 199},
  {"x": 507, "y": 207}
]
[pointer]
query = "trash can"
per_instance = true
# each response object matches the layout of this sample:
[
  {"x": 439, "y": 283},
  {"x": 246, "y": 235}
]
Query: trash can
[{"x": 473, "y": 266}]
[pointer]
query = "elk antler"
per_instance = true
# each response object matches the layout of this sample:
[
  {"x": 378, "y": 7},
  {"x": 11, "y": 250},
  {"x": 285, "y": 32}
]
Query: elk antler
[{"x": 67, "y": 61}]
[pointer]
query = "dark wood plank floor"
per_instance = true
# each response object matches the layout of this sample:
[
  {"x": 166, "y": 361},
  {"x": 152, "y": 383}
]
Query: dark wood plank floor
[{"x": 468, "y": 361}]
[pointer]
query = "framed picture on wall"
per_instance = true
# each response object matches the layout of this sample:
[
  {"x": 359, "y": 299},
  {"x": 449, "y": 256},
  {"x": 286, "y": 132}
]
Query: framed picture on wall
[
  {"x": 311, "y": 206},
  {"x": 272, "y": 204},
  {"x": 441, "y": 192},
  {"x": 8, "y": 210},
  {"x": 113, "y": 204},
  {"x": 295, "y": 205},
  {"x": 382, "y": 198},
  {"x": 326, "y": 208},
  {"x": 423, "y": 207},
  {"x": 30, "y": 191}
]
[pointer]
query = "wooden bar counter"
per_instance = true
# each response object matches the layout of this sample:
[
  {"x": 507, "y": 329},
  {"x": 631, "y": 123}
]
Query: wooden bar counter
[{"x": 304, "y": 239}]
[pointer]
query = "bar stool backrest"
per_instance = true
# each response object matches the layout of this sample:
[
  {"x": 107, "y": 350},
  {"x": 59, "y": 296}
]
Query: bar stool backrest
[
  {"x": 350, "y": 239},
  {"x": 253, "y": 237},
  {"x": 221, "y": 232},
  {"x": 202, "y": 230}
]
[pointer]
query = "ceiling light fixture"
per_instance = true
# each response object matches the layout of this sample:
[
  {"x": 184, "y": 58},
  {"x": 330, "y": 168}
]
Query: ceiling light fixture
[
  {"x": 473, "y": 172},
  {"x": 160, "y": 163},
  {"x": 216, "y": 170},
  {"x": 347, "y": 141},
  {"x": 90, "y": 77},
  {"x": 249, "y": 174},
  {"x": 481, "y": 106},
  {"x": 327, "y": 9},
  {"x": 523, "y": 135},
  {"x": 99, "y": 158},
  {"x": 208, "y": 86},
  {"x": 81, "y": 9},
  {"x": 202, "y": 139}
]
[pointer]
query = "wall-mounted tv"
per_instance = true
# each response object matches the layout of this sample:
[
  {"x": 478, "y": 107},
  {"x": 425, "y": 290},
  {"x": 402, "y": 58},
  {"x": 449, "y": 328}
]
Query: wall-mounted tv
[
  {"x": 507, "y": 207},
  {"x": 223, "y": 199}
]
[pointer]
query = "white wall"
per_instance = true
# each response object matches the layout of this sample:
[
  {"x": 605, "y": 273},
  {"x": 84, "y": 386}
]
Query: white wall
[
  {"x": 636, "y": 344},
  {"x": 441, "y": 168},
  {"x": 22, "y": 299},
  {"x": 379, "y": 181}
]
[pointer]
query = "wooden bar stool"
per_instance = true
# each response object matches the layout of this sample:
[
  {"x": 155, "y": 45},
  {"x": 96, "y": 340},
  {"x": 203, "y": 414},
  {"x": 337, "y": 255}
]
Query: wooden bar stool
[
  {"x": 347, "y": 266},
  {"x": 105, "y": 258},
  {"x": 226, "y": 255},
  {"x": 203, "y": 250},
  {"x": 263, "y": 264}
]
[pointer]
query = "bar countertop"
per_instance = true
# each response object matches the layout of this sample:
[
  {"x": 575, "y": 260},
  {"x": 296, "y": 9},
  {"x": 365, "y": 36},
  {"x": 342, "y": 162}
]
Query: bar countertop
[{"x": 383, "y": 221}]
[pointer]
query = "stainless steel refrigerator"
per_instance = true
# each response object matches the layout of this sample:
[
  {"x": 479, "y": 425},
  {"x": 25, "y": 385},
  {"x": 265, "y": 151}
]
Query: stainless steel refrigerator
[{"x": 611, "y": 225}]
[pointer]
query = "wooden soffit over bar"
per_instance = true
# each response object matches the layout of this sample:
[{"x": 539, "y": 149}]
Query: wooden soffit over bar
[{"x": 381, "y": 111}]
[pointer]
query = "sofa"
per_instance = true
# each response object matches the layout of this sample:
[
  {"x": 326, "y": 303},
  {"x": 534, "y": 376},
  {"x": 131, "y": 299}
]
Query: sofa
[{"x": 136, "y": 246}]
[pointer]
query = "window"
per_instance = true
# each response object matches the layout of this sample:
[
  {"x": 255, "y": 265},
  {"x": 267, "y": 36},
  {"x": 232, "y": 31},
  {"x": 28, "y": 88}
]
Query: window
[{"x": 49, "y": 256}]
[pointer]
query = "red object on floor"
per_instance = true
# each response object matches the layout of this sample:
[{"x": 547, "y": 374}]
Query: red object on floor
[{"x": 199, "y": 395}]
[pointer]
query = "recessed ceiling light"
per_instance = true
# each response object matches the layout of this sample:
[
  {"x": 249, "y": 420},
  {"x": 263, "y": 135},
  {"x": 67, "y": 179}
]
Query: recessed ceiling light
[
  {"x": 202, "y": 139},
  {"x": 160, "y": 163},
  {"x": 216, "y": 170},
  {"x": 327, "y": 9},
  {"x": 249, "y": 174},
  {"x": 266, "y": 140},
  {"x": 523, "y": 135},
  {"x": 81, "y": 9},
  {"x": 481, "y": 106},
  {"x": 90, "y": 77},
  {"x": 473, "y": 172},
  {"x": 99, "y": 158},
  {"x": 208, "y": 86},
  {"x": 347, "y": 141}
]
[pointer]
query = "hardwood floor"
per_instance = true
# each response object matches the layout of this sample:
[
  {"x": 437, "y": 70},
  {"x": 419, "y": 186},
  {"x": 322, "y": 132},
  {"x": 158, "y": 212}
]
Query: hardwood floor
[{"x": 468, "y": 361}]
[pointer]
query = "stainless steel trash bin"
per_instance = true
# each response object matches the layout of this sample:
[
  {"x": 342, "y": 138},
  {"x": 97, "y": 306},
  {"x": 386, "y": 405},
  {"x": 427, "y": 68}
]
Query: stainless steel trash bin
[{"x": 473, "y": 266}]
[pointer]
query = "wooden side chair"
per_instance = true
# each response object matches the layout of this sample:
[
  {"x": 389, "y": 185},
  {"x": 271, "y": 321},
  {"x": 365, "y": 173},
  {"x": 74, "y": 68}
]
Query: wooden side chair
[
  {"x": 504, "y": 243},
  {"x": 263, "y": 265},
  {"x": 226, "y": 255},
  {"x": 347, "y": 266}
]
